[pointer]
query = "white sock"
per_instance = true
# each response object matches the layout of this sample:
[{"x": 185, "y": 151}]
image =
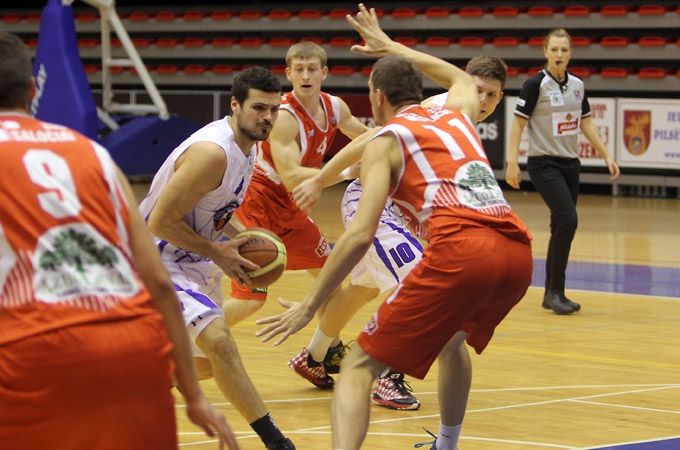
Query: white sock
[
  {"x": 319, "y": 344},
  {"x": 447, "y": 439}
]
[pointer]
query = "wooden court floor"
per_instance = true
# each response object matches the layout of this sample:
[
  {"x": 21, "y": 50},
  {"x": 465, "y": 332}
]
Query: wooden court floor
[{"x": 607, "y": 376}]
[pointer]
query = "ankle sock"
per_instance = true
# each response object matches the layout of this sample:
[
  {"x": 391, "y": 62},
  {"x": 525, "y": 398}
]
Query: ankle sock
[
  {"x": 319, "y": 345},
  {"x": 447, "y": 439}
]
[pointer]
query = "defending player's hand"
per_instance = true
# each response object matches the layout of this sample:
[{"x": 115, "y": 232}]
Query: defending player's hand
[
  {"x": 376, "y": 42},
  {"x": 232, "y": 263},
  {"x": 297, "y": 316},
  {"x": 308, "y": 193},
  {"x": 203, "y": 414}
]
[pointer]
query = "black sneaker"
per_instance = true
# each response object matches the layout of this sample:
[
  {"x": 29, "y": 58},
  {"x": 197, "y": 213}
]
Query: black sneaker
[
  {"x": 281, "y": 444},
  {"x": 393, "y": 392},
  {"x": 334, "y": 355}
]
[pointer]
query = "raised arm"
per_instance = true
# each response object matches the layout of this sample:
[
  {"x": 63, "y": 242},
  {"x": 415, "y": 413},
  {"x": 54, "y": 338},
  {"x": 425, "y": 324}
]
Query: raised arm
[{"x": 462, "y": 89}]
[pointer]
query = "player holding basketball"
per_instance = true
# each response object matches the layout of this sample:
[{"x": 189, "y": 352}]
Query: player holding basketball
[
  {"x": 395, "y": 250},
  {"x": 476, "y": 267},
  {"x": 189, "y": 204},
  {"x": 89, "y": 322}
]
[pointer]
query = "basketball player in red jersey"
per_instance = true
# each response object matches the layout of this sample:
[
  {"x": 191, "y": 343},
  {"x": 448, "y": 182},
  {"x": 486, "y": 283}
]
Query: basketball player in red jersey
[
  {"x": 476, "y": 267},
  {"x": 90, "y": 327}
]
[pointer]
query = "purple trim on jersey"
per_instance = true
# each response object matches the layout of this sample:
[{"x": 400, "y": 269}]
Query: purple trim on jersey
[
  {"x": 404, "y": 232},
  {"x": 200, "y": 297},
  {"x": 161, "y": 245},
  {"x": 384, "y": 258}
]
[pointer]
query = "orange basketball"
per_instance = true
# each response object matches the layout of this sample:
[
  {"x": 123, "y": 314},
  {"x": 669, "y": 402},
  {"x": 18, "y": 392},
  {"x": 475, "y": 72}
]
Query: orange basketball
[{"x": 265, "y": 249}]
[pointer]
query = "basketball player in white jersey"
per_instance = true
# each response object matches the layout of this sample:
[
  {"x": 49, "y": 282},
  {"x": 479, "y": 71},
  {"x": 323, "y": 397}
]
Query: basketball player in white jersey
[{"x": 189, "y": 205}]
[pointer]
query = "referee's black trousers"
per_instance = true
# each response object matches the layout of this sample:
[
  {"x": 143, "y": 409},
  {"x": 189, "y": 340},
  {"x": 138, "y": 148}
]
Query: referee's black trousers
[{"x": 557, "y": 180}]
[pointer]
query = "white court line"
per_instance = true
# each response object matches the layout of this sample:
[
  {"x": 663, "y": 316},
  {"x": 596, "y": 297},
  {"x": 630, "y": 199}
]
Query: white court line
[
  {"x": 640, "y": 408},
  {"x": 635, "y": 442}
]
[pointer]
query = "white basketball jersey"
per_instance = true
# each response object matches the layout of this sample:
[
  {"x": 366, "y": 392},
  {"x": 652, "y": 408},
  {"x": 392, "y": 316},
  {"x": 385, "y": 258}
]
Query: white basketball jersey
[{"x": 209, "y": 217}]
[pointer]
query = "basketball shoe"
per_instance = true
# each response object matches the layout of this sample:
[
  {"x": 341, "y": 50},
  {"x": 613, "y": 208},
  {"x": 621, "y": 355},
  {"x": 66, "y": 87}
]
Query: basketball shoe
[
  {"x": 334, "y": 356},
  {"x": 393, "y": 392},
  {"x": 310, "y": 370}
]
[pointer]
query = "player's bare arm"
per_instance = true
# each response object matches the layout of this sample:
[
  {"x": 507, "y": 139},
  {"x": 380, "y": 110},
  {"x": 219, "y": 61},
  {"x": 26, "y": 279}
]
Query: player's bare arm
[
  {"x": 376, "y": 170},
  {"x": 285, "y": 147},
  {"x": 512, "y": 175},
  {"x": 462, "y": 89},
  {"x": 197, "y": 172}
]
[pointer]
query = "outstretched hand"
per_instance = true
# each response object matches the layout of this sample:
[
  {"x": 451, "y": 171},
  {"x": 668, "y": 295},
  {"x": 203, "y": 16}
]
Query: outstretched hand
[
  {"x": 376, "y": 42},
  {"x": 286, "y": 323},
  {"x": 308, "y": 193}
]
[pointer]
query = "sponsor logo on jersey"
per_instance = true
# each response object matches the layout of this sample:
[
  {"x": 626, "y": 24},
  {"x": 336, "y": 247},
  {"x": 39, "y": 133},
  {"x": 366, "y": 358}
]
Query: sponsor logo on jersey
[{"x": 323, "y": 249}]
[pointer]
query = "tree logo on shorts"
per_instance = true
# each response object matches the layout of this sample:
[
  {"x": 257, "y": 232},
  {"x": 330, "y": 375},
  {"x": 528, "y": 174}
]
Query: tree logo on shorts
[{"x": 477, "y": 188}]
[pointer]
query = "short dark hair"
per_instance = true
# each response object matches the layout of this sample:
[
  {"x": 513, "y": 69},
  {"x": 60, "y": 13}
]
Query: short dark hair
[
  {"x": 399, "y": 79},
  {"x": 15, "y": 71},
  {"x": 488, "y": 67},
  {"x": 255, "y": 77}
]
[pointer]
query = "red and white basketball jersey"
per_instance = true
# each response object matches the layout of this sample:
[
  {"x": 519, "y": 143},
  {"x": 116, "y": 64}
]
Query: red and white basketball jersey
[
  {"x": 446, "y": 172},
  {"x": 64, "y": 232},
  {"x": 314, "y": 140}
]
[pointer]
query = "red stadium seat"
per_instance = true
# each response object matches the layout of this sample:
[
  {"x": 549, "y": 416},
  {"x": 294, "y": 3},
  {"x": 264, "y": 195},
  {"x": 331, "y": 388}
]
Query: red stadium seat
[
  {"x": 471, "y": 11},
  {"x": 33, "y": 17},
  {"x": 652, "y": 41},
  {"x": 279, "y": 14},
  {"x": 505, "y": 41},
  {"x": 138, "y": 42},
  {"x": 407, "y": 40},
  {"x": 31, "y": 42},
  {"x": 577, "y": 11},
  {"x": 438, "y": 41},
  {"x": 403, "y": 13},
  {"x": 614, "y": 72},
  {"x": 193, "y": 15},
  {"x": 513, "y": 71},
  {"x": 222, "y": 42},
  {"x": 251, "y": 42},
  {"x": 167, "y": 69},
  {"x": 651, "y": 10},
  {"x": 471, "y": 41},
  {"x": 531, "y": 71},
  {"x": 278, "y": 69},
  {"x": 581, "y": 41},
  {"x": 614, "y": 41},
  {"x": 536, "y": 41},
  {"x": 91, "y": 68},
  {"x": 249, "y": 14},
  {"x": 139, "y": 16},
  {"x": 87, "y": 17},
  {"x": 317, "y": 40},
  {"x": 341, "y": 41},
  {"x": 614, "y": 10},
  {"x": 165, "y": 16},
  {"x": 88, "y": 42},
  {"x": 309, "y": 13},
  {"x": 193, "y": 42},
  {"x": 281, "y": 42},
  {"x": 505, "y": 11},
  {"x": 223, "y": 69},
  {"x": 342, "y": 70},
  {"x": 540, "y": 11},
  {"x": 581, "y": 72},
  {"x": 194, "y": 69},
  {"x": 12, "y": 18},
  {"x": 654, "y": 73},
  {"x": 366, "y": 70},
  {"x": 166, "y": 42},
  {"x": 339, "y": 13},
  {"x": 437, "y": 11},
  {"x": 221, "y": 15}
]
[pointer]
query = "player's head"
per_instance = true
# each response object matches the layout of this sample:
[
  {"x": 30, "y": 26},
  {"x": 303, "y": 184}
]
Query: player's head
[
  {"x": 397, "y": 81},
  {"x": 256, "y": 96},
  {"x": 16, "y": 84},
  {"x": 489, "y": 73},
  {"x": 306, "y": 67},
  {"x": 557, "y": 50}
]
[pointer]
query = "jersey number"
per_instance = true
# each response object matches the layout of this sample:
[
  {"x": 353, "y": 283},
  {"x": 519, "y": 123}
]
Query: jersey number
[
  {"x": 402, "y": 254},
  {"x": 50, "y": 171}
]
